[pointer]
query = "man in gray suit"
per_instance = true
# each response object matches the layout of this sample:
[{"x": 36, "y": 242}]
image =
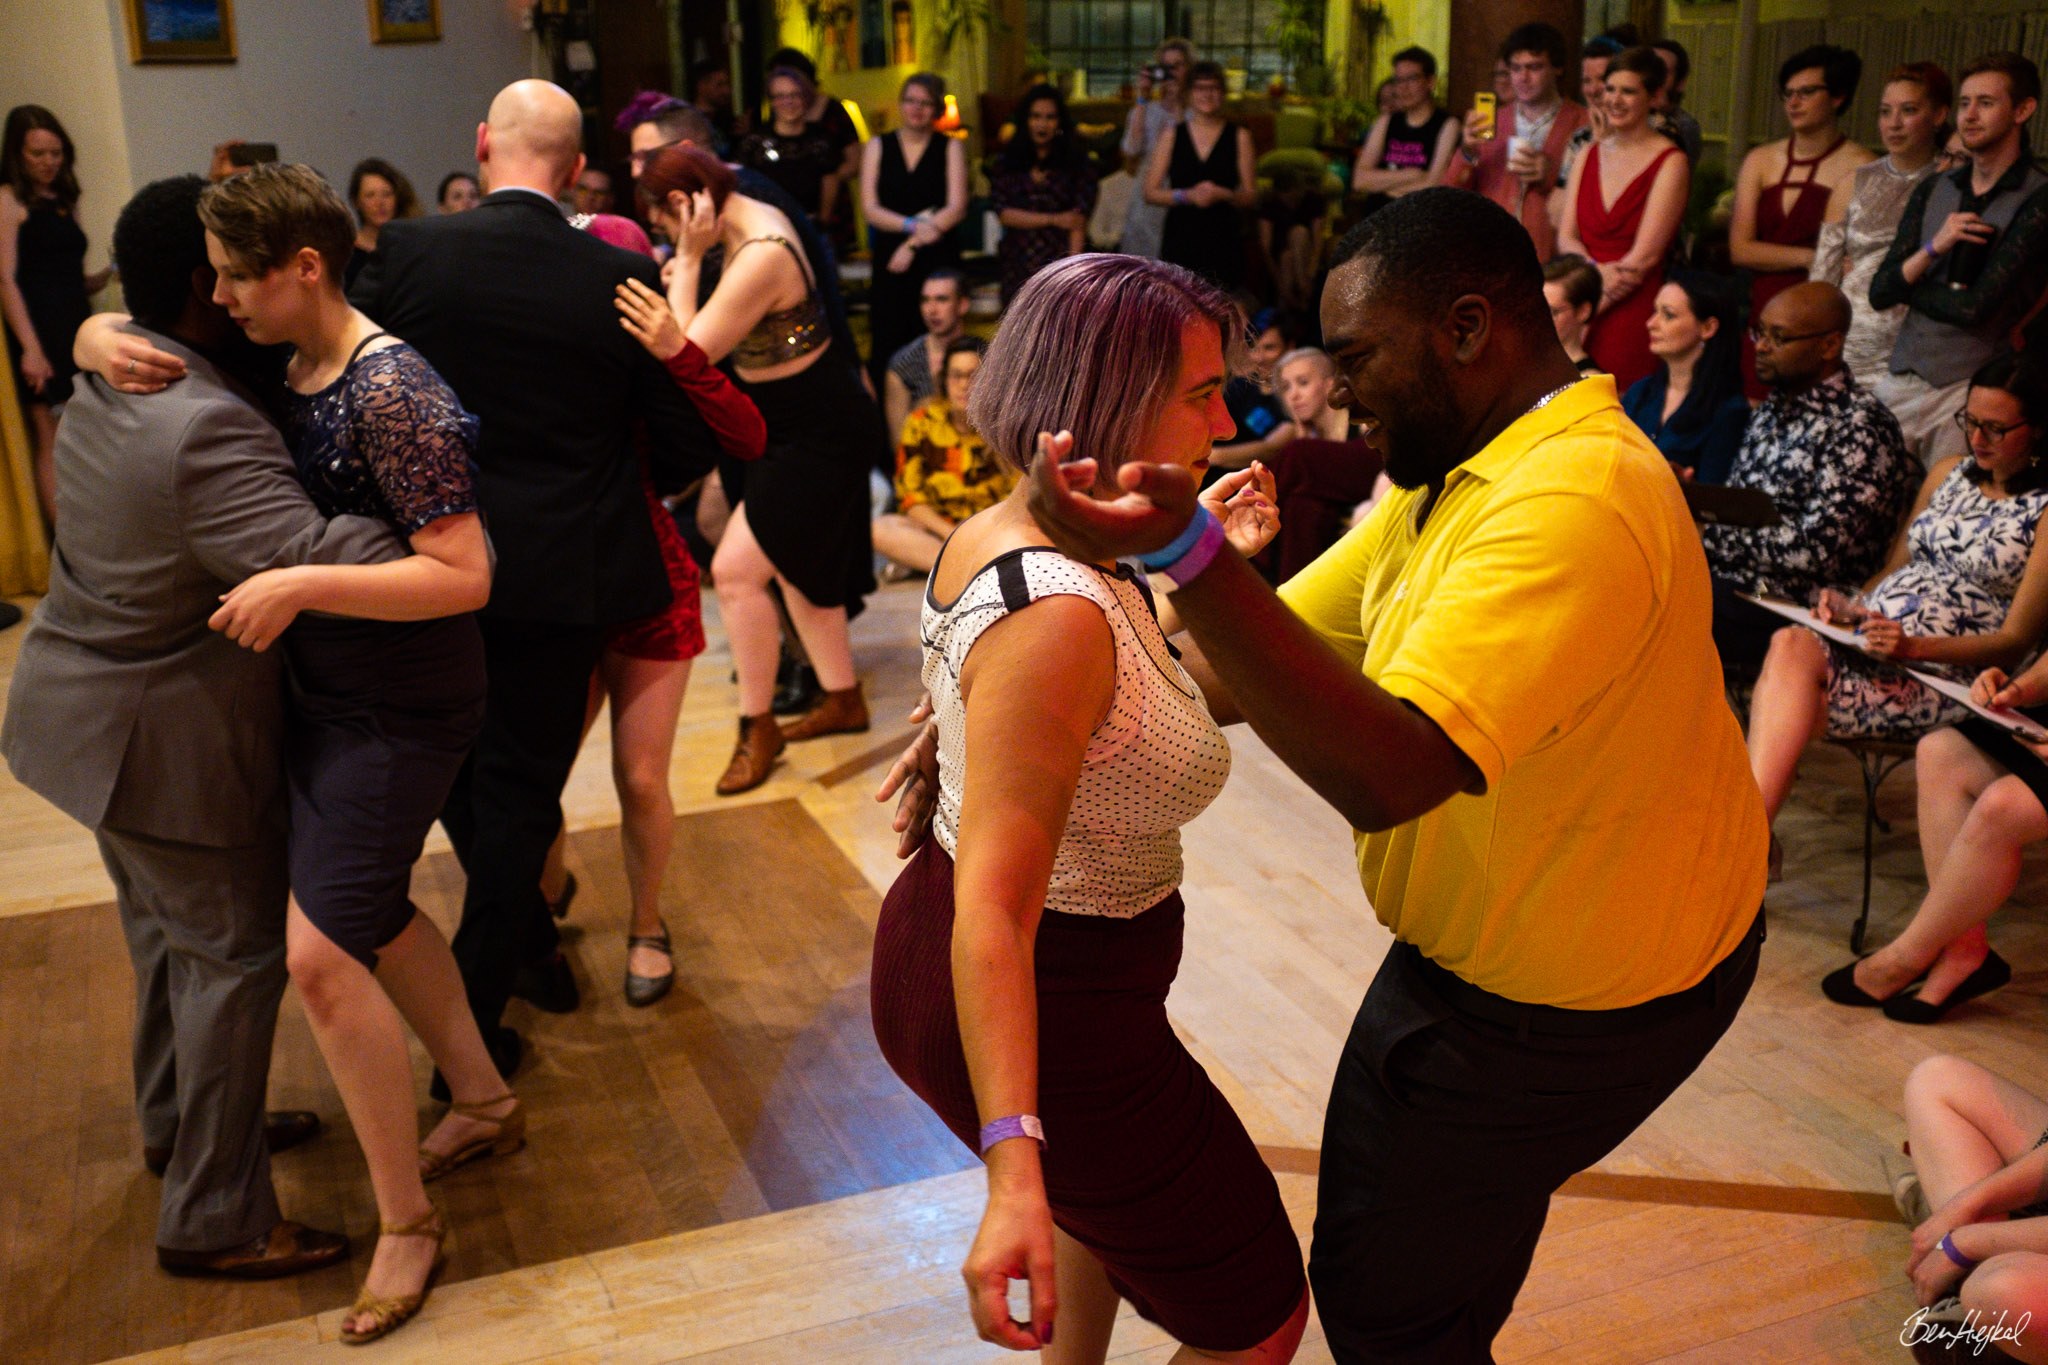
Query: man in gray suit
[{"x": 135, "y": 719}]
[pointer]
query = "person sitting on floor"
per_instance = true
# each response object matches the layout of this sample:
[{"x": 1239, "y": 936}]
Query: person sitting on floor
[
  {"x": 945, "y": 472},
  {"x": 1322, "y": 474},
  {"x": 912, "y": 374}
]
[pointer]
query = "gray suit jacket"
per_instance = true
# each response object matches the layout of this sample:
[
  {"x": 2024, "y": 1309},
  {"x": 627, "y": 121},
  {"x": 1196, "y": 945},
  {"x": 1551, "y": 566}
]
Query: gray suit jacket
[{"x": 125, "y": 710}]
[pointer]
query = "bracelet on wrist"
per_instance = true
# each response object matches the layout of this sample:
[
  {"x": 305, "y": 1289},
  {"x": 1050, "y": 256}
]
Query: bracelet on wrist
[
  {"x": 1928, "y": 247},
  {"x": 1015, "y": 1126},
  {"x": 1190, "y": 554},
  {"x": 1180, "y": 198},
  {"x": 1948, "y": 1249}
]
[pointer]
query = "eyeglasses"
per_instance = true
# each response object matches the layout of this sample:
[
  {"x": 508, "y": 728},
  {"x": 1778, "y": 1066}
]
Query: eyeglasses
[
  {"x": 1773, "y": 338},
  {"x": 1804, "y": 92},
  {"x": 1993, "y": 432}
]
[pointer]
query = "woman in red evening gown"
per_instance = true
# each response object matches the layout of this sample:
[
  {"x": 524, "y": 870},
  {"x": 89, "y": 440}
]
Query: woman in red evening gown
[{"x": 1622, "y": 210}]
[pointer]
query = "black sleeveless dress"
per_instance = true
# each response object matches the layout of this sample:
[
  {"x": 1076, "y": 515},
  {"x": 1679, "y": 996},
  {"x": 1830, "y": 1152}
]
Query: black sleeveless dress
[
  {"x": 49, "y": 267},
  {"x": 1208, "y": 241},
  {"x": 893, "y": 298}
]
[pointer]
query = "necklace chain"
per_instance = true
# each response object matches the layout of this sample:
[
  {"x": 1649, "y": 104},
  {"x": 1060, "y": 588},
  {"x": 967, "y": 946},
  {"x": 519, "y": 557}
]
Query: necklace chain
[{"x": 1545, "y": 400}]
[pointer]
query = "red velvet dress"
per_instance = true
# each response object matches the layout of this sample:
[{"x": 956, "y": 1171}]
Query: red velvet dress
[
  {"x": 1800, "y": 226},
  {"x": 1618, "y": 340}
]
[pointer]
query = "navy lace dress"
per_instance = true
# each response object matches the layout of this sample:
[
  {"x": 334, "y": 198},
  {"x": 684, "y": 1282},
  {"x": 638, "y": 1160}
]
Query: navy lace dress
[{"x": 383, "y": 713}]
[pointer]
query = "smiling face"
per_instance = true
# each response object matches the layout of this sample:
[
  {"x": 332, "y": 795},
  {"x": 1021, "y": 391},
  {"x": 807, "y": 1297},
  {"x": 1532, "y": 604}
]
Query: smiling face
[
  {"x": 1628, "y": 101},
  {"x": 1205, "y": 97},
  {"x": 42, "y": 154},
  {"x": 376, "y": 201},
  {"x": 1908, "y": 120},
  {"x": 270, "y": 307},
  {"x": 787, "y": 101},
  {"x": 1394, "y": 376},
  {"x": 1411, "y": 87},
  {"x": 1195, "y": 416},
  {"x": 1593, "y": 81},
  {"x": 1305, "y": 386},
  {"x": 917, "y": 108}
]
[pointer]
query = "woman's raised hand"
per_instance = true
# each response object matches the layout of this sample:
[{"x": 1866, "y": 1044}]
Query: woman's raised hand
[
  {"x": 129, "y": 362},
  {"x": 697, "y": 225},
  {"x": 1243, "y": 502},
  {"x": 648, "y": 317}
]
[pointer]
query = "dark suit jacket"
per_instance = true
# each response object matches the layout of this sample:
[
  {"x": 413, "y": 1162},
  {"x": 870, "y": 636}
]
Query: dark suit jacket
[
  {"x": 126, "y": 712},
  {"x": 514, "y": 307}
]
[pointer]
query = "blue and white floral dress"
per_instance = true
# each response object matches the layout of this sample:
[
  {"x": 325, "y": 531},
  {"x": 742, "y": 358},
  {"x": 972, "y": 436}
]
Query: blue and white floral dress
[{"x": 1965, "y": 556}]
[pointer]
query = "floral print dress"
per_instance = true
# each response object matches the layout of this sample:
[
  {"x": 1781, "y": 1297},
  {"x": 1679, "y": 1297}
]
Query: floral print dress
[{"x": 1966, "y": 556}]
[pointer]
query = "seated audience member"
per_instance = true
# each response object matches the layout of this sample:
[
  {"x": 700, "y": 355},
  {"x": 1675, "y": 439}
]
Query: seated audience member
[
  {"x": 592, "y": 192},
  {"x": 913, "y": 371},
  {"x": 1043, "y": 189},
  {"x": 1514, "y": 162},
  {"x": 1968, "y": 258},
  {"x": 1964, "y": 589},
  {"x": 1412, "y": 148},
  {"x": 1783, "y": 189},
  {"x": 945, "y": 472},
  {"x": 1671, "y": 118},
  {"x": 1252, "y": 398},
  {"x": 1293, "y": 225},
  {"x": 1833, "y": 461},
  {"x": 1864, "y": 211},
  {"x": 459, "y": 191},
  {"x": 1322, "y": 474},
  {"x": 1980, "y": 1259},
  {"x": 1571, "y": 286},
  {"x": 1691, "y": 406}
]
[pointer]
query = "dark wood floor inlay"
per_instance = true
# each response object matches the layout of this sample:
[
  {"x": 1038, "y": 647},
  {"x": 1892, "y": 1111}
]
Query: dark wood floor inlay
[{"x": 755, "y": 1086}]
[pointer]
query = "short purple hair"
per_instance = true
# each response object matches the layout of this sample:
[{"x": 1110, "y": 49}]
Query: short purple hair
[
  {"x": 1091, "y": 345},
  {"x": 645, "y": 107}
]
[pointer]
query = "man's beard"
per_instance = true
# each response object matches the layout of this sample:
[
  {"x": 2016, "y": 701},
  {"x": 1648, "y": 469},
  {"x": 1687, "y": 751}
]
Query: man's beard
[{"x": 1420, "y": 442}]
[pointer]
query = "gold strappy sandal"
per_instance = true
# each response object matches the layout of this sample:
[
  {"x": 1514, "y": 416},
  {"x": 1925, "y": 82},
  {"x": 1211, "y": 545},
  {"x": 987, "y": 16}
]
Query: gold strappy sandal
[
  {"x": 387, "y": 1315},
  {"x": 509, "y": 1138}
]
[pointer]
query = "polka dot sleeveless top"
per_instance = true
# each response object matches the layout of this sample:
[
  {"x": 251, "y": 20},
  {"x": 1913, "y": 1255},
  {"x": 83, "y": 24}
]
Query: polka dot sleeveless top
[{"x": 1155, "y": 762}]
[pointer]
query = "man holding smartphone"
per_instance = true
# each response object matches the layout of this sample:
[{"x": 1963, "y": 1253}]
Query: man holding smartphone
[{"x": 1513, "y": 157}]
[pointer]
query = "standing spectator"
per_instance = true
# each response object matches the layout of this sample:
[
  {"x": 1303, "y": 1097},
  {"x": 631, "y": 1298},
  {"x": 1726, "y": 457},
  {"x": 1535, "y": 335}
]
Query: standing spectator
[
  {"x": 711, "y": 95},
  {"x": 1594, "y": 60},
  {"x": 592, "y": 193},
  {"x": 798, "y": 154},
  {"x": 1864, "y": 212},
  {"x": 1503, "y": 83},
  {"x": 1293, "y": 222},
  {"x": 913, "y": 192},
  {"x": 379, "y": 193},
  {"x": 945, "y": 472},
  {"x": 459, "y": 192},
  {"x": 1673, "y": 120},
  {"x": 1968, "y": 257},
  {"x": 828, "y": 117},
  {"x": 44, "y": 285},
  {"x": 1412, "y": 150},
  {"x": 1204, "y": 174},
  {"x": 1571, "y": 286},
  {"x": 1160, "y": 107},
  {"x": 1515, "y": 162},
  {"x": 914, "y": 370},
  {"x": 1622, "y": 210},
  {"x": 1043, "y": 190},
  {"x": 1691, "y": 406},
  {"x": 1783, "y": 190}
]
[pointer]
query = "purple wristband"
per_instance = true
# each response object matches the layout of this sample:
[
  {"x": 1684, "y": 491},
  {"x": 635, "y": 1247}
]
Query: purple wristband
[
  {"x": 1948, "y": 1249},
  {"x": 1015, "y": 1126},
  {"x": 1209, "y": 541}
]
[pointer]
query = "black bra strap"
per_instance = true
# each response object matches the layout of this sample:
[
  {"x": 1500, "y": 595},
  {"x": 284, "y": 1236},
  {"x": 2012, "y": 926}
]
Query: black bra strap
[{"x": 360, "y": 346}]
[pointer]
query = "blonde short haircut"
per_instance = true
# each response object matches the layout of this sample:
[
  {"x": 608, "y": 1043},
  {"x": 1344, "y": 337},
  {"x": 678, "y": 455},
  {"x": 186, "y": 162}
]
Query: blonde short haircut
[
  {"x": 1091, "y": 345},
  {"x": 268, "y": 213},
  {"x": 1315, "y": 353}
]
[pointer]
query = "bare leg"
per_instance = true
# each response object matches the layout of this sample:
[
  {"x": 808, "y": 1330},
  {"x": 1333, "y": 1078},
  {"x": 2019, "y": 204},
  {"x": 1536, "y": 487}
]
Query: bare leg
[
  {"x": 741, "y": 573},
  {"x": 647, "y": 699},
  {"x": 823, "y": 632},
  {"x": 713, "y": 511},
  {"x": 906, "y": 542},
  {"x": 1964, "y": 1123},
  {"x": 1949, "y": 774},
  {"x": 1277, "y": 1349},
  {"x": 2016, "y": 1286},
  {"x": 44, "y": 430},
  {"x": 1787, "y": 712},
  {"x": 1087, "y": 1306},
  {"x": 361, "y": 1037}
]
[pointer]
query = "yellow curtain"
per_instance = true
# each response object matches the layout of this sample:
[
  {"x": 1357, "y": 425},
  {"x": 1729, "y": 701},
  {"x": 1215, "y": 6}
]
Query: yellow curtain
[{"x": 24, "y": 546}]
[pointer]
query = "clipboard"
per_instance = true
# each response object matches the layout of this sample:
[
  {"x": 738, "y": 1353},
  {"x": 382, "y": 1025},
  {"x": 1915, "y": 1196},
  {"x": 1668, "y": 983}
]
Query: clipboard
[
  {"x": 1713, "y": 504},
  {"x": 2004, "y": 717}
]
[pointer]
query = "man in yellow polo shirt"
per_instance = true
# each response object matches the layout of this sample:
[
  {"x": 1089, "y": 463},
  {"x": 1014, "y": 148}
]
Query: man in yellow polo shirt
[{"x": 1506, "y": 681}]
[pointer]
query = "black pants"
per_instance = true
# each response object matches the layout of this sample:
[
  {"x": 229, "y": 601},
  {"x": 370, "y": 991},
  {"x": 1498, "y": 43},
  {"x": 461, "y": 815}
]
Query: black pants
[
  {"x": 1742, "y": 632},
  {"x": 1453, "y": 1118},
  {"x": 506, "y": 806}
]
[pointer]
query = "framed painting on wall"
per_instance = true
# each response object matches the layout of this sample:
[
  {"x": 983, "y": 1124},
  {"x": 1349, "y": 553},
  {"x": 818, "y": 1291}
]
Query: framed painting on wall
[
  {"x": 180, "y": 30},
  {"x": 405, "y": 21}
]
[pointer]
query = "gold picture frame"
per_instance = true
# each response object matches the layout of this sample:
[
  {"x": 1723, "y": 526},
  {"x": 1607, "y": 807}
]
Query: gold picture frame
[
  {"x": 405, "y": 21},
  {"x": 180, "y": 30}
]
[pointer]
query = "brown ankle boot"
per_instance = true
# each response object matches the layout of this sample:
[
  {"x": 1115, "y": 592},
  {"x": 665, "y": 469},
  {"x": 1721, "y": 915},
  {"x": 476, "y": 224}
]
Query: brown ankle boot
[
  {"x": 753, "y": 758},
  {"x": 840, "y": 713}
]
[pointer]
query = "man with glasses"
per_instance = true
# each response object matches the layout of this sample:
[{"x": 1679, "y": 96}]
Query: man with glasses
[
  {"x": 1162, "y": 90},
  {"x": 1832, "y": 459},
  {"x": 1969, "y": 256},
  {"x": 1412, "y": 149},
  {"x": 1516, "y": 167}
]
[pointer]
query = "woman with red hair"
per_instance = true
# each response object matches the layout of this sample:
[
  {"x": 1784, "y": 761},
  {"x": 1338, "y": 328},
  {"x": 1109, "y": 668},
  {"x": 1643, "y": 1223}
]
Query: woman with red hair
[{"x": 801, "y": 520}]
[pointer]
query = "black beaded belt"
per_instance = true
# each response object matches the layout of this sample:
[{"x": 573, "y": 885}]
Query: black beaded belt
[{"x": 1466, "y": 998}]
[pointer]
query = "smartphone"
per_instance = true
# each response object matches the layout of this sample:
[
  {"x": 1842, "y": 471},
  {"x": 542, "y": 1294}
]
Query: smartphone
[
  {"x": 252, "y": 153},
  {"x": 1483, "y": 115}
]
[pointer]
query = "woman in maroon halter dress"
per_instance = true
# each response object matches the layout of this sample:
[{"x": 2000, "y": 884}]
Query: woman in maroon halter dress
[
  {"x": 1628, "y": 235},
  {"x": 1781, "y": 197}
]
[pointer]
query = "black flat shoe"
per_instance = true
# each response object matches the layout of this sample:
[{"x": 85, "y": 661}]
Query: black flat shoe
[
  {"x": 1993, "y": 972},
  {"x": 1840, "y": 986}
]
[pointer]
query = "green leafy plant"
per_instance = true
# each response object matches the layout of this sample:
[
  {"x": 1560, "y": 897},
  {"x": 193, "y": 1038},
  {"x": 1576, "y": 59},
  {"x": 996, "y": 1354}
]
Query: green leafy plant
[{"x": 1297, "y": 34}]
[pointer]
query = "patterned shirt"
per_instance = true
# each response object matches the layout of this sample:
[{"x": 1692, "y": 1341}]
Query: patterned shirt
[
  {"x": 1833, "y": 461},
  {"x": 945, "y": 468},
  {"x": 910, "y": 364}
]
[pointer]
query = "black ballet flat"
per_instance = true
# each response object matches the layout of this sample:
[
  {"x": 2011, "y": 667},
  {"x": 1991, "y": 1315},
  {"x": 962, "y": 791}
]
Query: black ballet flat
[
  {"x": 1993, "y": 972},
  {"x": 1840, "y": 986}
]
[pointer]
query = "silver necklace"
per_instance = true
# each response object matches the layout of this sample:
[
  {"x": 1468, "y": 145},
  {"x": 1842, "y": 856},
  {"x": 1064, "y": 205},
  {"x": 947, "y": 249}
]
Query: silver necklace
[{"x": 1544, "y": 401}]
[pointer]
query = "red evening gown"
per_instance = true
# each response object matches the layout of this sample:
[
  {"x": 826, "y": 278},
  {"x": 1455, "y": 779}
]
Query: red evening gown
[
  {"x": 1798, "y": 226},
  {"x": 1618, "y": 341}
]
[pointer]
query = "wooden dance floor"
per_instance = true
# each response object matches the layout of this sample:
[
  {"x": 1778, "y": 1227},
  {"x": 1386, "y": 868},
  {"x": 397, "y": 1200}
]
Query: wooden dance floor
[{"x": 734, "y": 1175}]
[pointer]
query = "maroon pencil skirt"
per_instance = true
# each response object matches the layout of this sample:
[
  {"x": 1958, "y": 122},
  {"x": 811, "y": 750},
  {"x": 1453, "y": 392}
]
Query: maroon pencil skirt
[{"x": 1146, "y": 1164}]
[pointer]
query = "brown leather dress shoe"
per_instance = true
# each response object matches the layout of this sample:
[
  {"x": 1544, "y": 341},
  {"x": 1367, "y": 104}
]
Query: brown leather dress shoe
[
  {"x": 283, "y": 1129},
  {"x": 840, "y": 713},
  {"x": 753, "y": 758},
  {"x": 287, "y": 1249}
]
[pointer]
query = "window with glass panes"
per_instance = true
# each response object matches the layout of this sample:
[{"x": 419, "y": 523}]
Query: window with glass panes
[{"x": 1110, "y": 39}]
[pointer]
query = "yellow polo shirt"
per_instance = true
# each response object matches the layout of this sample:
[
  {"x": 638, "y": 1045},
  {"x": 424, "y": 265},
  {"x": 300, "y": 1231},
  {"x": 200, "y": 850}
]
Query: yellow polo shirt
[{"x": 1552, "y": 616}]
